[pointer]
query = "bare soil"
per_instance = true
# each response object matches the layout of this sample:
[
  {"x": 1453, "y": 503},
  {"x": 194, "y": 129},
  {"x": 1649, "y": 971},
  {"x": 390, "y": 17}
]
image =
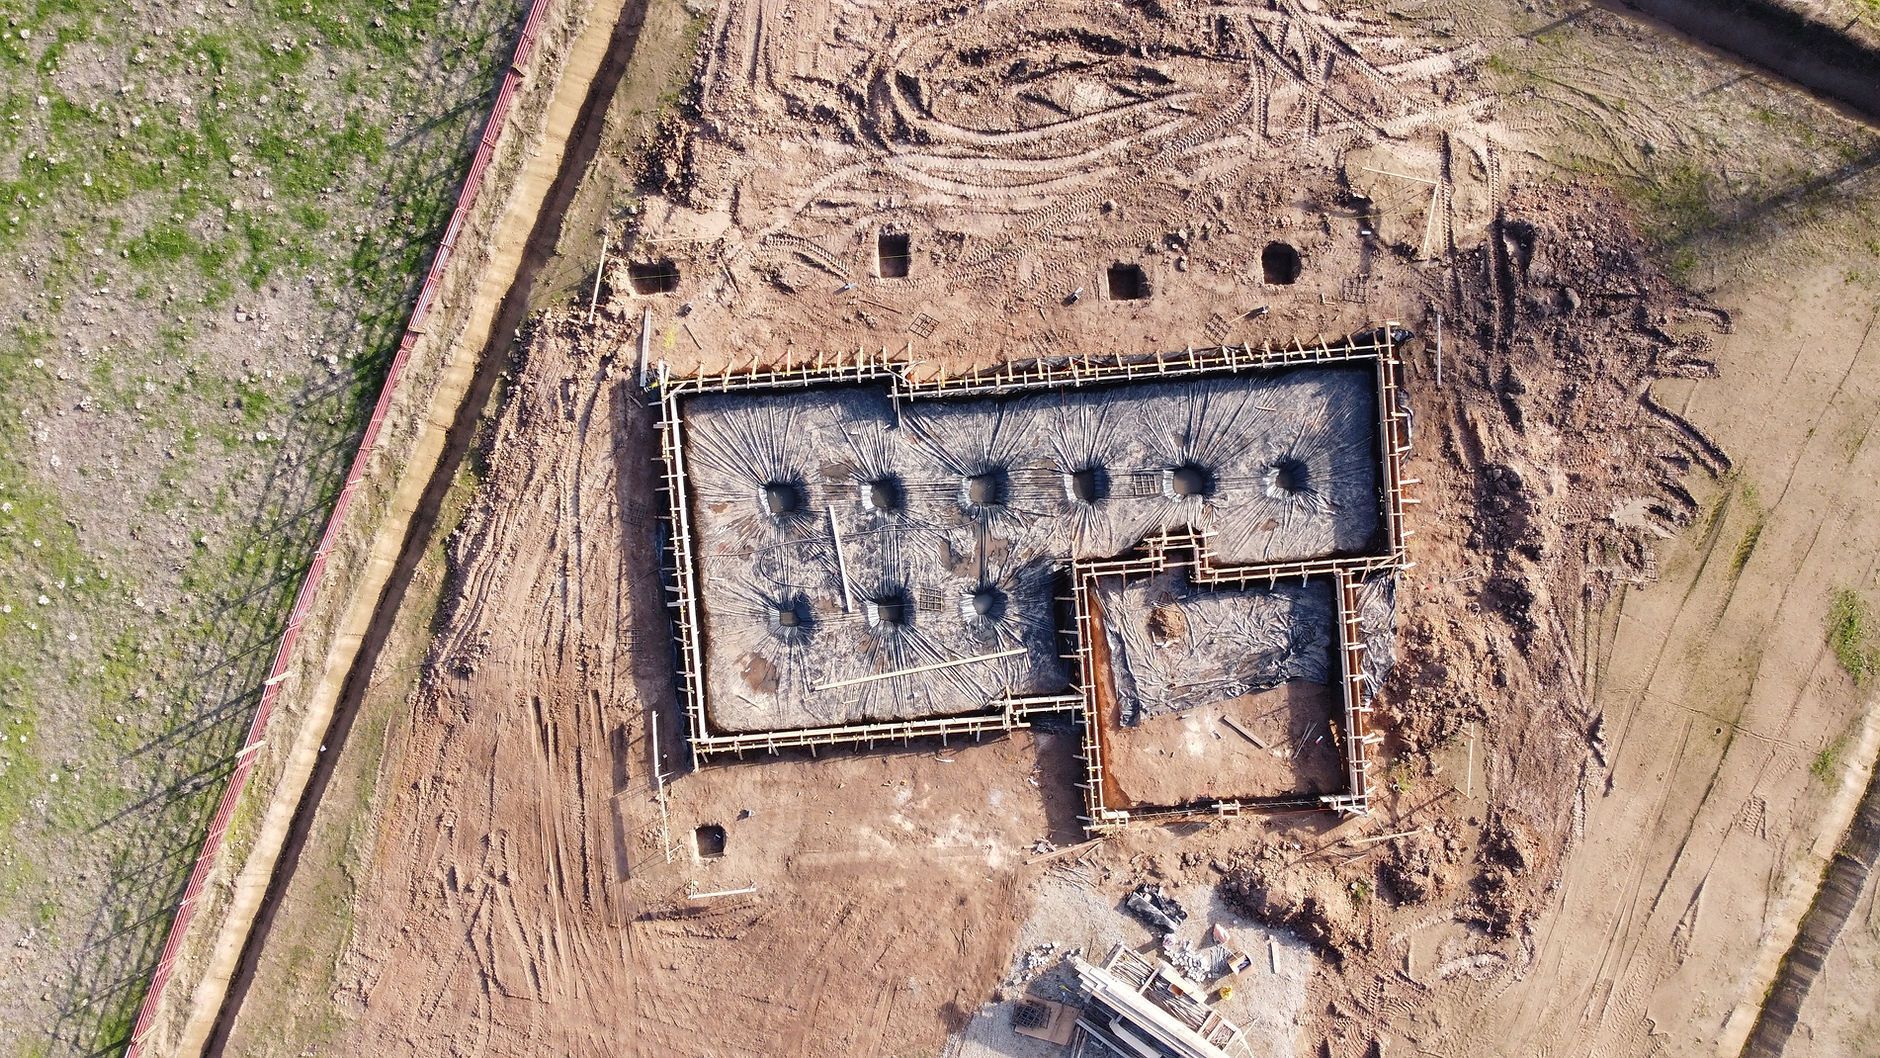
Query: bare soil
[
  {"x": 1195, "y": 755},
  {"x": 1604, "y": 812}
]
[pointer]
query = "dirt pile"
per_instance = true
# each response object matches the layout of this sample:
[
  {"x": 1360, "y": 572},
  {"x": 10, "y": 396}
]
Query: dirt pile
[
  {"x": 1499, "y": 905},
  {"x": 1442, "y": 681},
  {"x": 1563, "y": 470},
  {"x": 1421, "y": 866},
  {"x": 1560, "y": 473},
  {"x": 1323, "y": 905}
]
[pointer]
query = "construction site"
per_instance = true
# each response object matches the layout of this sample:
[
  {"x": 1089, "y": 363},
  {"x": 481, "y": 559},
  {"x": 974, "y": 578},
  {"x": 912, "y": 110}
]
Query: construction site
[
  {"x": 863, "y": 559},
  {"x": 1155, "y": 530}
]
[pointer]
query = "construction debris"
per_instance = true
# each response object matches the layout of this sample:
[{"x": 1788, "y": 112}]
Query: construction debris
[{"x": 1156, "y": 909}]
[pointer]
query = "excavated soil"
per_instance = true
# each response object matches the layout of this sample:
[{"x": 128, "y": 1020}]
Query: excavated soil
[{"x": 522, "y": 871}]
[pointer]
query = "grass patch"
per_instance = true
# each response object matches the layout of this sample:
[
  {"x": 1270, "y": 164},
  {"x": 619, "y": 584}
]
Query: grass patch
[
  {"x": 1852, "y": 635},
  {"x": 1401, "y": 777},
  {"x": 1746, "y": 547},
  {"x": 1828, "y": 760},
  {"x": 281, "y": 144},
  {"x": 1677, "y": 200},
  {"x": 1752, "y": 535}
]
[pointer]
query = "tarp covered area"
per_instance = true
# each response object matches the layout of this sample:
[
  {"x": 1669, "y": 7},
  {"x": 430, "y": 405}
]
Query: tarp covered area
[{"x": 841, "y": 542}]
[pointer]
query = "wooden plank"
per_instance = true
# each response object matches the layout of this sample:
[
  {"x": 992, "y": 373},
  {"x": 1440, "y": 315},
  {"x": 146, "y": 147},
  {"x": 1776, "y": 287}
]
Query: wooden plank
[
  {"x": 1065, "y": 851},
  {"x": 722, "y": 892},
  {"x": 842, "y": 572},
  {"x": 917, "y": 669},
  {"x": 599, "y": 271},
  {"x": 1243, "y": 732}
]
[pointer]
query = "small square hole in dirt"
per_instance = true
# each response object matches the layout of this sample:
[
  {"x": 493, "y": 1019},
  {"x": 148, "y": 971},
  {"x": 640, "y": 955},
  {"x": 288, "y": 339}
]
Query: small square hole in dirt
[
  {"x": 1279, "y": 264},
  {"x": 710, "y": 840},
  {"x": 1128, "y": 282},
  {"x": 893, "y": 255},
  {"x": 653, "y": 277}
]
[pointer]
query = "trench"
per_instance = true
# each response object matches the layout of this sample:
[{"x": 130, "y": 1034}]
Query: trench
[
  {"x": 1840, "y": 890},
  {"x": 1810, "y": 55},
  {"x": 582, "y": 144}
]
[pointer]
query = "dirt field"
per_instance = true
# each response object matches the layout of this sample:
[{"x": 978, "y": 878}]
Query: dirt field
[{"x": 1627, "y": 727}]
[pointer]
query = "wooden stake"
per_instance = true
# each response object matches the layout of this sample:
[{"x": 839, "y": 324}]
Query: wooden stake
[
  {"x": 1384, "y": 837},
  {"x": 1429, "y": 223},
  {"x": 1400, "y": 176},
  {"x": 646, "y": 343},
  {"x": 1046, "y": 857},
  {"x": 722, "y": 892},
  {"x": 1243, "y": 732},
  {"x": 1314, "y": 726},
  {"x": 595, "y": 297},
  {"x": 842, "y": 567},
  {"x": 659, "y": 783},
  {"x": 1471, "y": 790}
]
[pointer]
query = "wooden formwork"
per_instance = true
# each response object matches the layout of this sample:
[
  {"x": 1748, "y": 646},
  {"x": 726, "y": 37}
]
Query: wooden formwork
[
  {"x": 863, "y": 365},
  {"x": 1004, "y": 719},
  {"x": 1357, "y": 735},
  {"x": 901, "y": 373},
  {"x": 683, "y": 587},
  {"x": 1050, "y": 372},
  {"x": 1394, "y": 440},
  {"x": 1163, "y": 553}
]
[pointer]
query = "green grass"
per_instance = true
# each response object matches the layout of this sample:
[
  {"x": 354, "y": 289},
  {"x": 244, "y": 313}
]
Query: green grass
[
  {"x": 1677, "y": 199},
  {"x": 1753, "y": 532},
  {"x": 1853, "y": 636},
  {"x": 1746, "y": 546},
  {"x": 34, "y": 535},
  {"x": 1502, "y": 66},
  {"x": 306, "y": 155},
  {"x": 1828, "y": 760},
  {"x": 1752, "y": 504},
  {"x": 263, "y": 118}
]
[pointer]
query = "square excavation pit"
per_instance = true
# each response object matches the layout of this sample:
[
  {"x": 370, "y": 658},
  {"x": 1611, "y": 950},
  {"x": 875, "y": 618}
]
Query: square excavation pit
[
  {"x": 708, "y": 840},
  {"x": 894, "y": 256},
  {"x": 1126, "y": 282},
  {"x": 1184, "y": 662},
  {"x": 860, "y": 557},
  {"x": 646, "y": 278}
]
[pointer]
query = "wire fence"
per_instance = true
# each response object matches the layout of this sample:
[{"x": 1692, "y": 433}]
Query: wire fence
[{"x": 310, "y": 585}]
